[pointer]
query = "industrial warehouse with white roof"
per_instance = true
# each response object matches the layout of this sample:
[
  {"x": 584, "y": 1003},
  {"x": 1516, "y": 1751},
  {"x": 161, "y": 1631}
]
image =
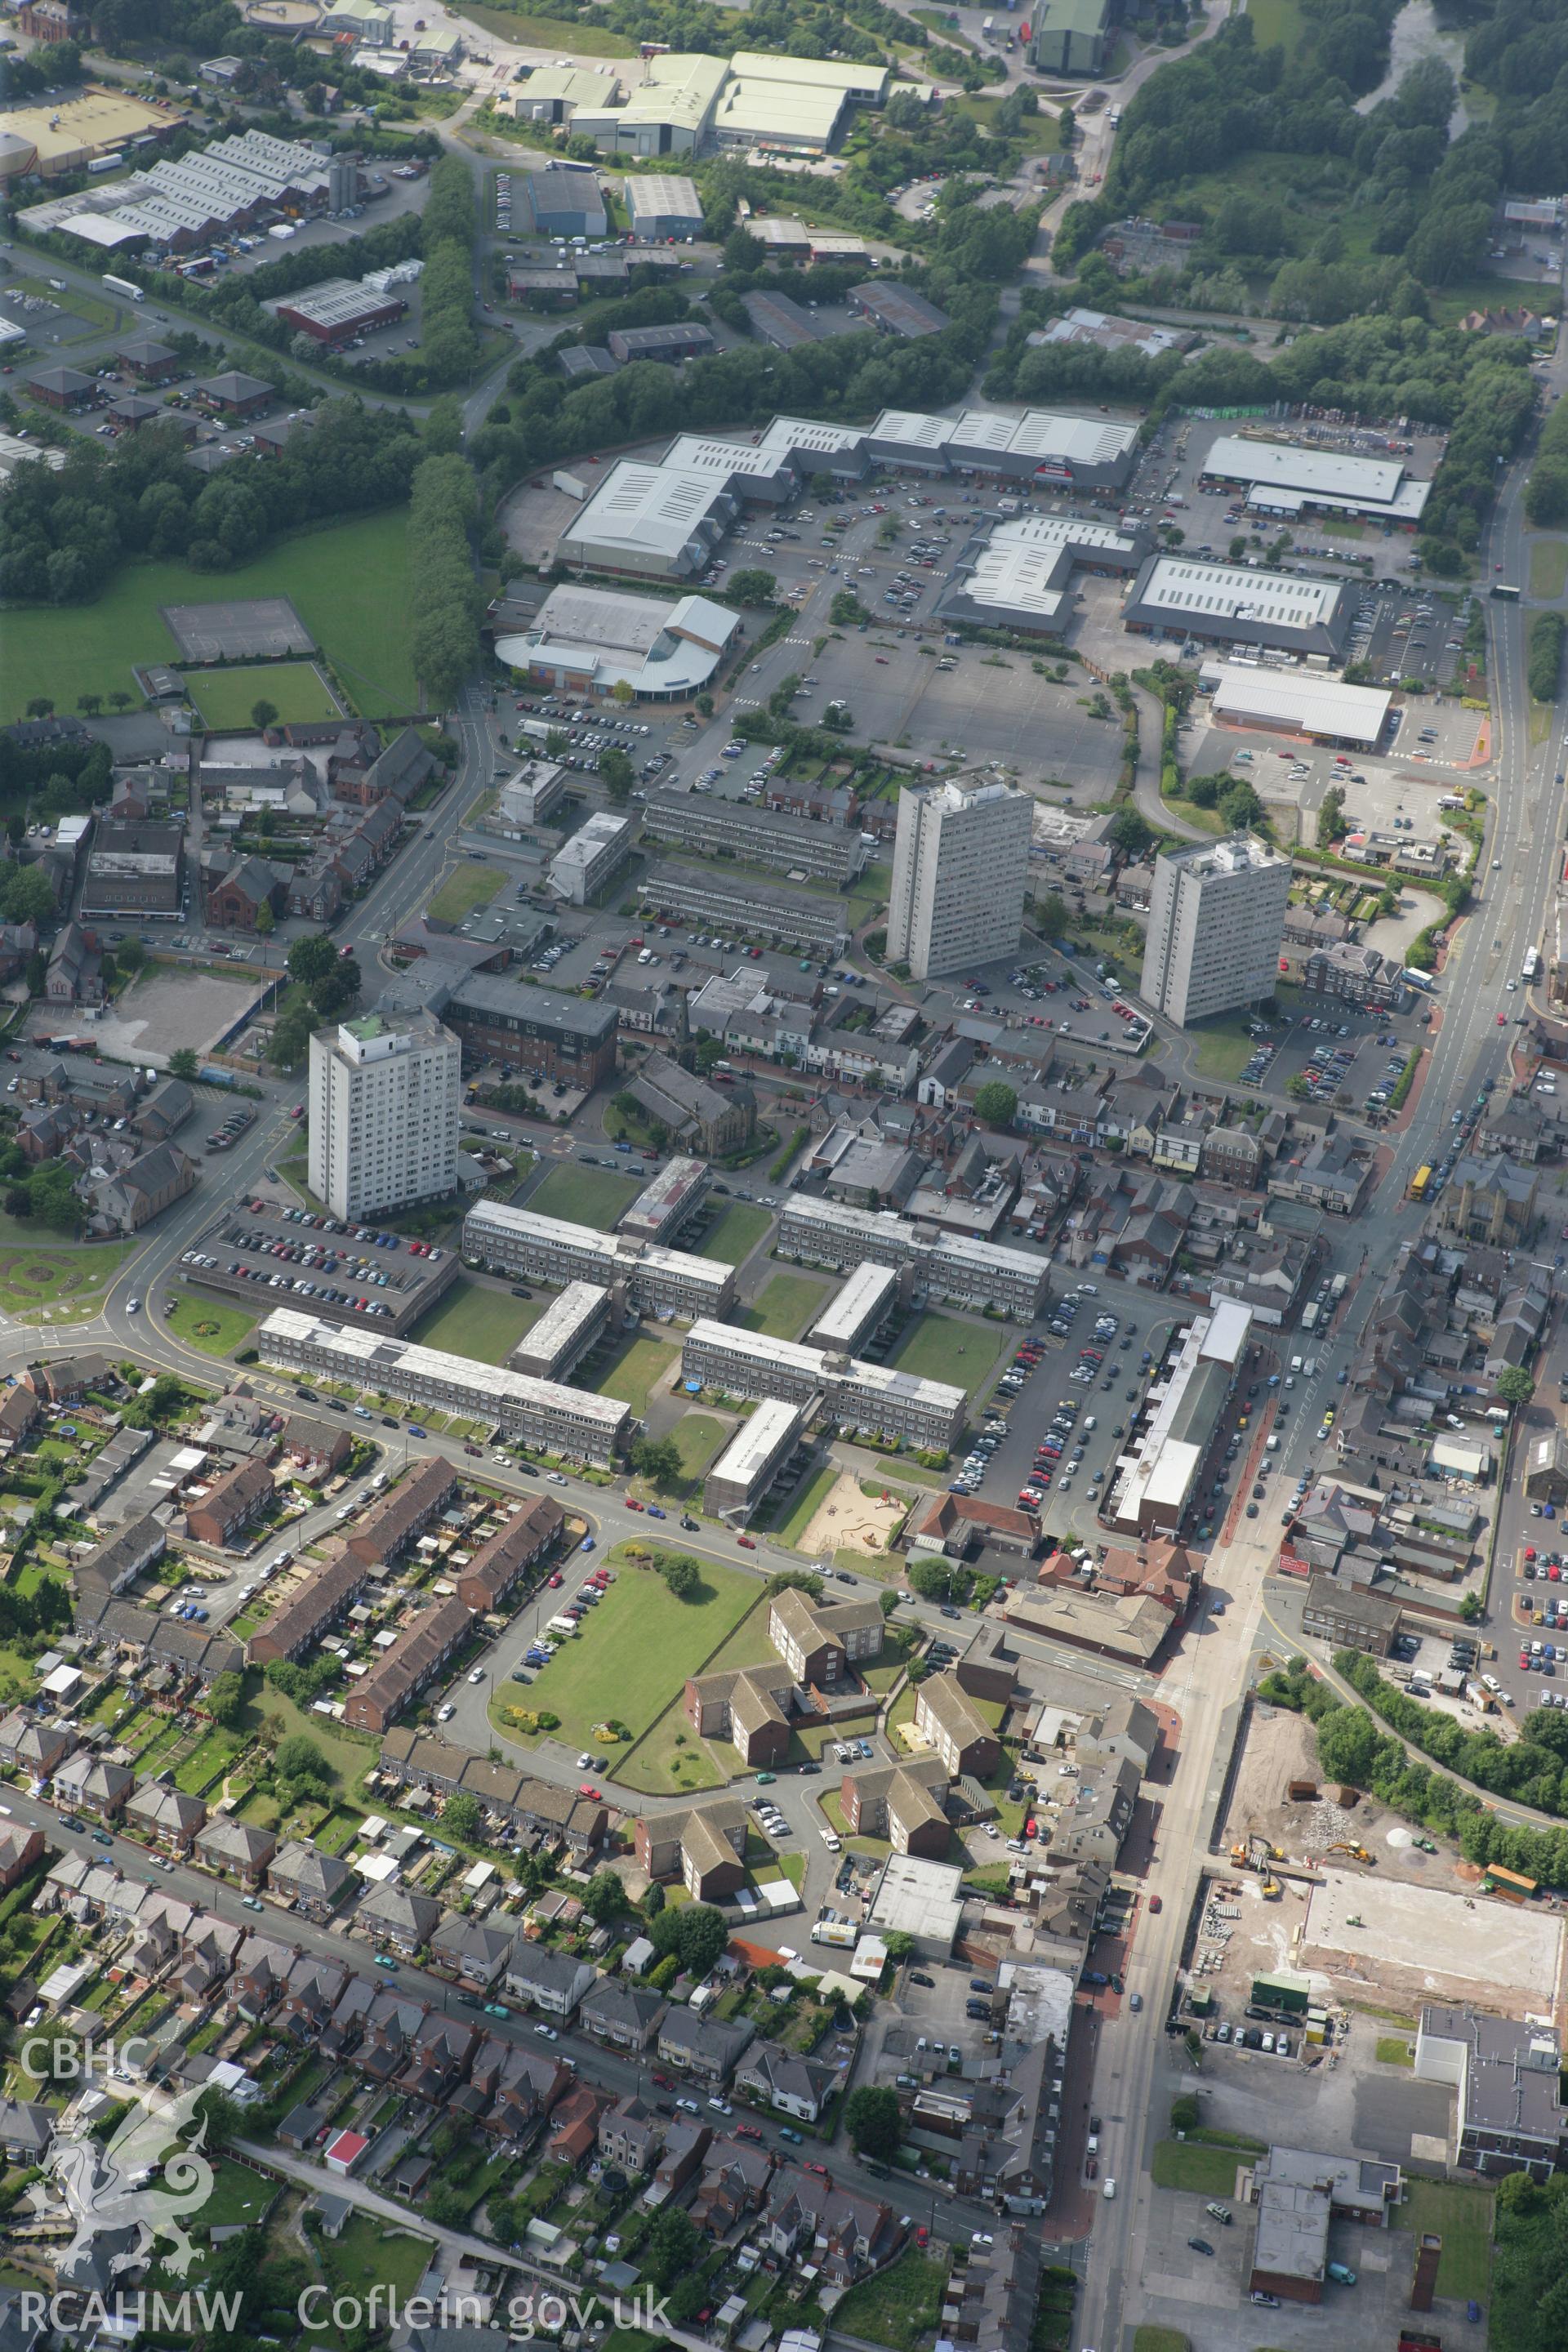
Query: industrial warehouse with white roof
[
  {"x": 651, "y": 520},
  {"x": 1229, "y": 604},
  {"x": 1017, "y": 574},
  {"x": 1299, "y": 702},
  {"x": 1279, "y": 478}
]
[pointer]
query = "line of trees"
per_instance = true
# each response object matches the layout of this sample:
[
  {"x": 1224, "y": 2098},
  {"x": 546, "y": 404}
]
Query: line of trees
[
  {"x": 1545, "y": 664},
  {"x": 449, "y": 345},
  {"x": 445, "y": 595}
]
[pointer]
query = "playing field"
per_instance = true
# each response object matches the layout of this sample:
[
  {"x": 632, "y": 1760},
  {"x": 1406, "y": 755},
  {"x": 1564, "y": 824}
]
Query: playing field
[
  {"x": 225, "y": 697},
  {"x": 636, "y": 1649},
  {"x": 349, "y": 583}
]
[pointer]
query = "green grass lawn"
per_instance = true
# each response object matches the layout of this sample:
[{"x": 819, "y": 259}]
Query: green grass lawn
[
  {"x": 737, "y": 1233},
  {"x": 787, "y": 1303},
  {"x": 561, "y": 37},
  {"x": 698, "y": 1437},
  {"x": 1149, "y": 2338},
  {"x": 44, "y": 1281},
  {"x": 900, "y": 2306},
  {"x": 206, "y": 1324},
  {"x": 1211, "y": 2171},
  {"x": 349, "y": 585},
  {"x": 467, "y": 886},
  {"x": 671, "y": 1760},
  {"x": 637, "y": 1647},
  {"x": 807, "y": 1503},
  {"x": 1224, "y": 1048},
  {"x": 348, "y": 1757},
  {"x": 1462, "y": 2217},
  {"x": 1392, "y": 2050},
  {"x": 939, "y": 1348},
  {"x": 237, "y": 2195},
  {"x": 1275, "y": 23},
  {"x": 588, "y": 1196},
  {"x": 225, "y": 697},
  {"x": 1548, "y": 567},
  {"x": 369, "y": 2253},
  {"x": 474, "y": 1320},
  {"x": 635, "y": 1370}
]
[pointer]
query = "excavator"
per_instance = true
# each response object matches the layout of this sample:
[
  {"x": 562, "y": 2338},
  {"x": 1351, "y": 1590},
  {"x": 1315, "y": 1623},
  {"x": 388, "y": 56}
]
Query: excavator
[
  {"x": 1356, "y": 1852},
  {"x": 1256, "y": 1854}
]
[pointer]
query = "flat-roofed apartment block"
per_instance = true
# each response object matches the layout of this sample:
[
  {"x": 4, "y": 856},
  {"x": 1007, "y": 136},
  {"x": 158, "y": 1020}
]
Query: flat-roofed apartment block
[
  {"x": 702, "y": 1846},
  {"x": 961, "y": 866},
  {"x": 857, "y": 1312},
  {"x": 856, "y": 1394},
  {"x": 946, "y": 1265},
  {"x": 543, "y": 1028},
  {"x": 540, "y": 1413},
  {"x": 1217, "y": 920},
  {"x": 795, "y": 846},
  {"x": 668, "y": 1202},
  {"x": 760, "y": 1449},
  {"x": 384, "y": 1096},
  {"x": 1017, "y": 574},
  {"x": 661, "y": 204},
  {"x": 947, "y": 1719},
  {"x": 732, "y": 903},
  {"x": 563, "y": 1334},
  {"x": 1297, "y": 2195},
  {"x": 650, "y": 522},
  {"x": 1508, "y": 2078},
  {"x": 597, "y": 851},
  {"x": 551, "y": 1250},
  {"x": 1279, "y": 478},
  {"x": 595, "y": 641},
  {"x": 1180, "y": 596}
]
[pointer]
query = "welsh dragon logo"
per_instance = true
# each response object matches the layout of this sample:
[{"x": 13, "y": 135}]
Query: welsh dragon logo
[{"x": 97, "y": 2179}]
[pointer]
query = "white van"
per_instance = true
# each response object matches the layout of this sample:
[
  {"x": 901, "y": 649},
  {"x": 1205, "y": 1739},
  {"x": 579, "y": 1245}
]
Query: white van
[
  {"x": 1295, "y": 1363},
  {"x": 1108, "y": 2191},
  {"x": 1311, "y": 1366}
]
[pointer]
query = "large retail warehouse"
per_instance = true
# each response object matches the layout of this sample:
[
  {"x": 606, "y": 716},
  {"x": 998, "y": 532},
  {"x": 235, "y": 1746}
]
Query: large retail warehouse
[
  {"x": 1297, "y": 702},
  {"x": 1278, "y": 478},
  {"x": 1230, "y": 604}
]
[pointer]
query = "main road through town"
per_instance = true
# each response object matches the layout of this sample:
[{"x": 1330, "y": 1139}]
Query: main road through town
[{"x": 1138, "y": 2068}]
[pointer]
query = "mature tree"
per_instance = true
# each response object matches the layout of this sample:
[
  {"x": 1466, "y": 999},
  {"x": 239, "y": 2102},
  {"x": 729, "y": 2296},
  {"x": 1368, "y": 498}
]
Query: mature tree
[
  {"x": 753, "y": 585},
  {"x": 938, "y": 1580},
  {"x": 1515, "y": 1385},
  {"x": 1051, "y": 916},
  {"x": 182, "y": 1062},
  {"x": 557, "y": 743},
  {"x": 670, "y": 2247},
  {"x": 461, "y": 1818},
  {"x": 696, "y": 1934},
  {"x": 995, "y": 1102},
  {"x": 226, "y": 1697},
  {"x": 871, "y": 2120},
  {"x": 89, "y": 704},
  {"x": 658, "y": 1458},
  {"x": 1184, "y": 2113},
  {"x": 680, "y": 1574},
  {"x": 52, "y": 1198},
  {"x": 604, "y": 1897},
  {"x": 263, "y": 713},
  {"x": 615, "y": 772},
  {"x": 26, "y": 894},
  {"x": 266, "y": 920},
  {"x": 132, "y": 955},
  {"x": 299, "y": 1758},
  {"x": 311, "y": 958},
  {"x": 1128, "y": 832},
  {"x": 336, "y": 992}
]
